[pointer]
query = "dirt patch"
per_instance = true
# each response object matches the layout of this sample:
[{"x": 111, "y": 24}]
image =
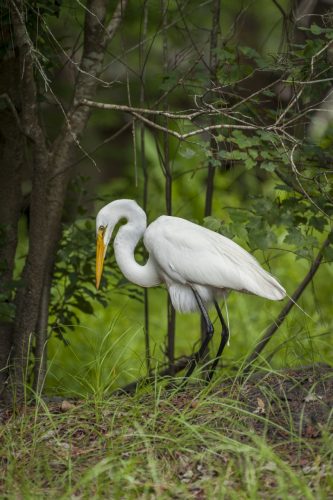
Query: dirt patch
[{"x": 297, "y": 399}]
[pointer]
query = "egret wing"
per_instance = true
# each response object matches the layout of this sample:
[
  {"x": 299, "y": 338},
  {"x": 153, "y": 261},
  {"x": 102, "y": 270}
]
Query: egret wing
[{"x": 188, "y": 253}]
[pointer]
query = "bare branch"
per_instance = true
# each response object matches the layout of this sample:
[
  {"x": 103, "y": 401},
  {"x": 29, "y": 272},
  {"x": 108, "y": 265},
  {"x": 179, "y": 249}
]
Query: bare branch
[
  {"x": 309, "y": 82},
  {"x": 116, "y": 19},
  {"x": 201, "y": 129},
  {"x": 146, "y": 111}
]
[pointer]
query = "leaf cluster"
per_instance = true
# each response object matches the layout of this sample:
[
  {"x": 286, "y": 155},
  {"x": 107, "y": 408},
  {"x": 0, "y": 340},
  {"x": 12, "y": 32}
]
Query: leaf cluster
[{"x": 73, "y": 292}]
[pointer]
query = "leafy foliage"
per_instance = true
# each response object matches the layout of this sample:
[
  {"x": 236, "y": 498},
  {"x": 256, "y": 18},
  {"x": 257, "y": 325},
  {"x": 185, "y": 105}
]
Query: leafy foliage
[{"x": 73, "y": 290}]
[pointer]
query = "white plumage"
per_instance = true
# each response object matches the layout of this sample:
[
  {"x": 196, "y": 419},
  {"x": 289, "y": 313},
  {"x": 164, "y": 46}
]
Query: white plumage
[
  {"x": 183, "y": 255},
  {"x": 196, "y": 264}
]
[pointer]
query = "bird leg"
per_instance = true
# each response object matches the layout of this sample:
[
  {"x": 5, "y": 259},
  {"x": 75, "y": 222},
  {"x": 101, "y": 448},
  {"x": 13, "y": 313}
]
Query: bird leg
[
  {"x": 224, "y": 340},
  {"x": 209, "y": 333}
]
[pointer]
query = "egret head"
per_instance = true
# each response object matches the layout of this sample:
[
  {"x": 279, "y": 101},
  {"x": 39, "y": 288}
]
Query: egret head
[
  {"x": 106, "y": 220},
  {"x": 104, "y": 229}
]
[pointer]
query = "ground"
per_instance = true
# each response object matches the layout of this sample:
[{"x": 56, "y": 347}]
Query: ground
[{"x": 269, "y": 434}]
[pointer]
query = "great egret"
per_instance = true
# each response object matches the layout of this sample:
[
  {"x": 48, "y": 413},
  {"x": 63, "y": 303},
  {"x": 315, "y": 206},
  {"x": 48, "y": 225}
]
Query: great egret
[{"x": 197, "y": 265}]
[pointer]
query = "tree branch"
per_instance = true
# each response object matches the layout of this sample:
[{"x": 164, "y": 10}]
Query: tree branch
[
  {"x": 116, "y": 19},
  {"x": 145, "y": 111},
  {"x": 199, "y": 130}
]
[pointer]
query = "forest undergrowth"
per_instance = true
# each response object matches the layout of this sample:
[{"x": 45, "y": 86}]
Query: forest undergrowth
[{"x": 267, "y": 434}]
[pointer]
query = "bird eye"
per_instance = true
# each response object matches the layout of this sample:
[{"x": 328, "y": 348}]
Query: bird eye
[{"x": 101, "y": 228}]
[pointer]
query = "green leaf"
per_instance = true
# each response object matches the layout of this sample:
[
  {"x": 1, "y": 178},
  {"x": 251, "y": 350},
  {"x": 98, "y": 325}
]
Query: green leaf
[
  {"x": 240, "y": 139},
  {"x": 328, "y": 252},
  {"x": 284, "y": 187},
  {"x": 187, "y": 153},
  {"x": 318, "y": 223},
  {"x": 82, "y": 304},
  {"x": 212, "y": 223},
  {"x": 268, "y": 165},
  {"x": 253, "y": 153},
  {"x": 238, "y": 215},
  {"x": 266, "y": 155},
  {"x": 249, "y": 163},
  {"x": 316, "y": 30}
]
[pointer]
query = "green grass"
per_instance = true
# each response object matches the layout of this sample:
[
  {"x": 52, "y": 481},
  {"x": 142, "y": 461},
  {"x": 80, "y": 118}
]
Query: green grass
[{"x": 201, "y": 442}]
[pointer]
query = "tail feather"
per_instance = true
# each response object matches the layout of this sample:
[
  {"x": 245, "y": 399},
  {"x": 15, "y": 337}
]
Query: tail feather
[{"x": 266, "y": 286}]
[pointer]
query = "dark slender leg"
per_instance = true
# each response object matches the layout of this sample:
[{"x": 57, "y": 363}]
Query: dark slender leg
[
  {"x": 224, "y": 340},
  {"x": 209, "y": 333}
]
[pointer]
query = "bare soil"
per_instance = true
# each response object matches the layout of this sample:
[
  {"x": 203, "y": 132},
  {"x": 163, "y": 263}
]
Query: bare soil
[{"x": 299, "y": 399}]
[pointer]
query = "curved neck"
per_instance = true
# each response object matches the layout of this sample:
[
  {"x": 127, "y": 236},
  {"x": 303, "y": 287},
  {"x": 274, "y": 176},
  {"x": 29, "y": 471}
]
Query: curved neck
[{"x": 124, "y": 245}]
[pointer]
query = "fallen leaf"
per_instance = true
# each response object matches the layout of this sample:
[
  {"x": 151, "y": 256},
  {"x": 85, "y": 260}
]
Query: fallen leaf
[
  {"x": 311, "y": 432},
  {"x": 187, "y": 476},
  {"x": 260, "y": 410},
  {"x": 66, "y": 406},
  {"x": 312, "y": 396},
  {"x": 63, "y": 449},
  {"x": 64, "y": 446},
  {"x": 307, "y": 469},
  {"x": 270, "y": 466},
  {"x": 48, "y": 435}
]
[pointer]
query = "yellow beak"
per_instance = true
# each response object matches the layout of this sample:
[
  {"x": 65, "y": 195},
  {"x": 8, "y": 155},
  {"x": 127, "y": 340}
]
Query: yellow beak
[{"x": 100, "y": 253}]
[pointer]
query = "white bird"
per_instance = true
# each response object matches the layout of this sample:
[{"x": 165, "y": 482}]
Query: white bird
[{"x": 196, "y": 264}]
